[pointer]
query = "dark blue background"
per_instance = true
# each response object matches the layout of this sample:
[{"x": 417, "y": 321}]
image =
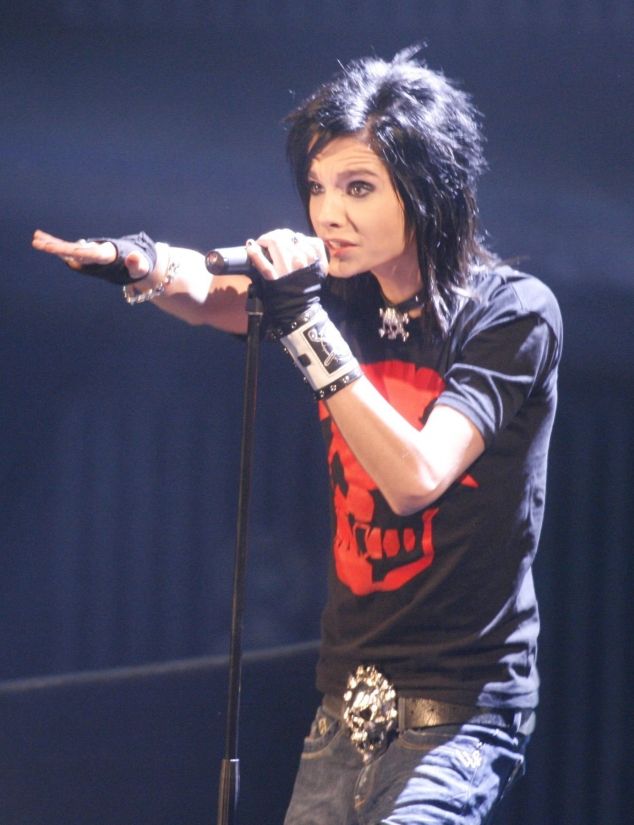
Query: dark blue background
[{"x": 120, "y": 427}]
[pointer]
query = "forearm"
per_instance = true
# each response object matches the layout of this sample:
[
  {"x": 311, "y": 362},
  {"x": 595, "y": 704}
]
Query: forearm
[
  {"x": 391, "y": 450},
  {"x": 173, "y": 278},
  {"x": 385, "y": 445},
  {"x": 411, "y": 467},
  {"x": 194, "y": 295}
]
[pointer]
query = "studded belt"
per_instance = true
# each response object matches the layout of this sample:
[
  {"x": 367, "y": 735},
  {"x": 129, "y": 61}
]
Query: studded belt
[
  {"x": 415, "y": 712},
  {"x": 370, "y": 710}
]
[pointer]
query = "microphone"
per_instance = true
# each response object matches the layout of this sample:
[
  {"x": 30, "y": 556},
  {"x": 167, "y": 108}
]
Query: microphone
[
  {"x": 233, "y": 260},
  {"x": 230, "y": 260}
]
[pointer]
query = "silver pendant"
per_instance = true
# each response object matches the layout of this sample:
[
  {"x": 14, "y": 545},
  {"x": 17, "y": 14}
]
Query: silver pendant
[{"x": 393, "y": 323}]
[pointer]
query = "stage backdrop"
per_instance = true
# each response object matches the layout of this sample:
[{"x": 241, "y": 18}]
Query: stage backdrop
[{"x": 119, "y": 430}]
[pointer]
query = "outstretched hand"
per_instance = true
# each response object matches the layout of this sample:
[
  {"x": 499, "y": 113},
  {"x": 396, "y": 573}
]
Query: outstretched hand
[{"x": 78, "y": 254}]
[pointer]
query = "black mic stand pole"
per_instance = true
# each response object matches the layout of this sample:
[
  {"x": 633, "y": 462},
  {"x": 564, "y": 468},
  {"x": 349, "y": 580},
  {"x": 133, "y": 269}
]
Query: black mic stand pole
[{"x": 230, "y": 769}]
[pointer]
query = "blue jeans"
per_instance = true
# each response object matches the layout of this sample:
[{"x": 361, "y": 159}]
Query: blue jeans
[{"x": 444, "y": 775}]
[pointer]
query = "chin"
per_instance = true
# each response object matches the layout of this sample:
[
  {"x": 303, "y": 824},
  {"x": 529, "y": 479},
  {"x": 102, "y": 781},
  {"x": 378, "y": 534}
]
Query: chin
[{"x": 339, "y": 269}]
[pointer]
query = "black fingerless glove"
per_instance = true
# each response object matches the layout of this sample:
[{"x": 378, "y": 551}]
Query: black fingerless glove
[
  {"x": 285, "y": 299},
  {"x": 116, "y": 272},
  {"x": 297, "y": 319}
]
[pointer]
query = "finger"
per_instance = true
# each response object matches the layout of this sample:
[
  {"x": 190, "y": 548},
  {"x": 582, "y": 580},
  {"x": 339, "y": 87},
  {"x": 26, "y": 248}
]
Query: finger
[
  {"x": 137, "y": 265},
  {"x": 287, "y": 249},
  {"x": 84, "y": 253},
  {"x": 49, "y": 243},
  {"x": 40, "y": 237},
  {"x": 74, "y": 253},
  {"x": 302, "y": 254},
  {"x": 278, "y": 239},
  {"x": 259, "y": 260},
  {"x": 306, "y": 251},
  {"x": 276, "y": 236},
  {"x": 78, "y": 254},
  {"x": 319, "y": 251}
]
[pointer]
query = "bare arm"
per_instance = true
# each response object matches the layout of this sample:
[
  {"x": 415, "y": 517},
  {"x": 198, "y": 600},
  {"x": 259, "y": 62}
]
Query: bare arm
[
  {"x": 197, "y": 297},
  {"x": 194, "y": 295},
  {"x": 411, "y": 467}
]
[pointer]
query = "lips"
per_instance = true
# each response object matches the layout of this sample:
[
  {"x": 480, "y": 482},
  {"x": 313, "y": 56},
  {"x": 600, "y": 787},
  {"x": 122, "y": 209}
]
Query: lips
[{"x": 337, "y": 246}]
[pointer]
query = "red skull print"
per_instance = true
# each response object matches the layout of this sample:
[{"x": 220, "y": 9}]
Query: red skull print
[{"x": 374, "y": 549}]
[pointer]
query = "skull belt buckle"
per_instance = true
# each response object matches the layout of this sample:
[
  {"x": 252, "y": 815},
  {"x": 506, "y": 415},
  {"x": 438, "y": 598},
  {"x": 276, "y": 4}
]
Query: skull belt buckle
[{"x": 369, "y": 710}]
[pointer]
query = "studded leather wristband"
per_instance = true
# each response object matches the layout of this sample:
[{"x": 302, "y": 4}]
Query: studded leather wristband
[{"x": 320, "y": 352}]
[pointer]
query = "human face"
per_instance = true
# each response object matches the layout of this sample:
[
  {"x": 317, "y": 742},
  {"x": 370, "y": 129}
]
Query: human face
[{"x": 355, "y": 209}]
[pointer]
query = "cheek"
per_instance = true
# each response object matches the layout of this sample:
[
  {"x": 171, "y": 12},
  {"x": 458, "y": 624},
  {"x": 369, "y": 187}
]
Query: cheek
[
  {"x": 314, "y": 213},
  {"x": 388, "y": 219},
  {"x": 390, "y": 234},
  {"x": 398, "y": 222}
]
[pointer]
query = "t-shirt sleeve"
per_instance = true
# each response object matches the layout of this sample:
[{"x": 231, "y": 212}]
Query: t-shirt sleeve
[{"x": 507, "y": 353}]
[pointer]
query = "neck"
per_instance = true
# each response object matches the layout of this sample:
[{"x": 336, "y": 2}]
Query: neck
[
  {"x": 401, "y": 295},
  {"x": 401, "y": 279}
]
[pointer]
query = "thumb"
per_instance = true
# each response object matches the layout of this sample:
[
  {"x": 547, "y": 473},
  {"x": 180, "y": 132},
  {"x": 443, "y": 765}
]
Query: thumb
[{"x": 137, "y": 265}]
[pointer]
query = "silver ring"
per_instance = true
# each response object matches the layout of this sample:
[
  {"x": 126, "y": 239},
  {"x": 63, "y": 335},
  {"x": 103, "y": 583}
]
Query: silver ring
[
  {"x": 295, "y": 238},
  {"x": 82, "y": 242}
]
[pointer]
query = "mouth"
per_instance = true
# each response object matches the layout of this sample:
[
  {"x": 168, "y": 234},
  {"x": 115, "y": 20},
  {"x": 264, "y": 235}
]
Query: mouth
[{"x": 338, "y": 247}]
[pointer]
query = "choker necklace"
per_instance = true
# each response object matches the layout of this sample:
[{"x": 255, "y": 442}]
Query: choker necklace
[{"x": 395, "y": 317}]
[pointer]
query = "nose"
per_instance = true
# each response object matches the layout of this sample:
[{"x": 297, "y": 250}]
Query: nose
[{"x": 328, "y": 209}]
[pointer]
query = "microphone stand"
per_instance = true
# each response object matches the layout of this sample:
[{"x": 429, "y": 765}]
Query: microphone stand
[{"x": 230, "y": 767}]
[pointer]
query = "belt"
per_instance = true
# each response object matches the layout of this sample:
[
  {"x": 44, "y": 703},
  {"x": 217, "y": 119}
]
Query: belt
[
  {"x": 417, "y": 712},
  {"x": 371, "y": 710}
]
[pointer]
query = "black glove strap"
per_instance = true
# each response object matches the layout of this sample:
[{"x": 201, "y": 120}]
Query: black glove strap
[
  {"x": 285, "y": 299},
  {"x": 116, "y": 272}
]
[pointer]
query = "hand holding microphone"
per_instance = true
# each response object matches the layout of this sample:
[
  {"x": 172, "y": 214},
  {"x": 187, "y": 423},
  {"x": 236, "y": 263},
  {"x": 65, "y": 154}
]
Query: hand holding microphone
[
  {"x": 274, "y": 255},
  {"x": 292, "y": 267}
]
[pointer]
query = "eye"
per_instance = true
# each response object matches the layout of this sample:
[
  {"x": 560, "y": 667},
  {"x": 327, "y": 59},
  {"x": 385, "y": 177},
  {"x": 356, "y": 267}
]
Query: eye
[
  {"x": 314, "y": 188},
  {"x": 359, "y": 188}
]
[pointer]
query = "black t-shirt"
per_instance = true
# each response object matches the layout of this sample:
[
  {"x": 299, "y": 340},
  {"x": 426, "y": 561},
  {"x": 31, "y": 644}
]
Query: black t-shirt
[{"x": 442, "y": 601}]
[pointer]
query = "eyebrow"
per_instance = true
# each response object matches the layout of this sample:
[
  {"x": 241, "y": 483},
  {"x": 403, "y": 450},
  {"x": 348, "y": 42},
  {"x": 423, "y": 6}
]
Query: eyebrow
[
  {"x": 349, "y": 173},
  {"x": 361, "y": 170}
]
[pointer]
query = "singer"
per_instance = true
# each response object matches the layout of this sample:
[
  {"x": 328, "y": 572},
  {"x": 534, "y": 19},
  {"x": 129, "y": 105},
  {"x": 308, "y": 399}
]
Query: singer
[{"x": 434, "y": 370}]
